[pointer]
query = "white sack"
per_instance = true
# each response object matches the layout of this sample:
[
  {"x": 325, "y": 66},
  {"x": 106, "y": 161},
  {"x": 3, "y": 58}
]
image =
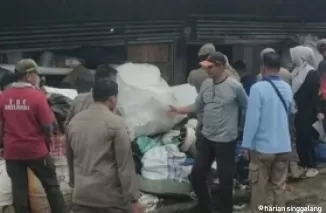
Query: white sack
[
  {"x": 165, "y": 163},
  {"x": 185, "y": 94},
  {"x": 5, "y": 186},
  {"x": 144, "y": 99},
  {"x": 70, "y": 93},
  {"x": 319, "y": 127}
]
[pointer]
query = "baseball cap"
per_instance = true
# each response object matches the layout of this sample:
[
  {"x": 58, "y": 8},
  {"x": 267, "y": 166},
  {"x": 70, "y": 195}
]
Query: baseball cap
[
  {"x": 26, "y": 66},
  {"x": 213, "y": 59},
  {"x": 206, "y": 49}
]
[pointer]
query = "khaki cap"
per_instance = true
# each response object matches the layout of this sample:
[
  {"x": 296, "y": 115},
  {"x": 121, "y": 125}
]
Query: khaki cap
[
  {"x": 26, "y": 66},
  {"x": 207, "y": 49}
]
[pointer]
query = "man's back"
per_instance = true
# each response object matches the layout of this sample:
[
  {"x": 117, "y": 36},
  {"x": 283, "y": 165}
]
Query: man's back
[
  {"x": 284, "y": 74},
  {"x": 95, "y": 135},
  {"x": 80, "y": 103},
  {"x": 23, "y": 112},
  {"x": 267, "y": 127}
]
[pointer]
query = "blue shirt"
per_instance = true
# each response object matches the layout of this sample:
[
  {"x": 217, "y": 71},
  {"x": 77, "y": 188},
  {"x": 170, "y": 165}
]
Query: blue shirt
[
  {"x": 266, "y": 127},
  {"x": 247, "y": 82}
]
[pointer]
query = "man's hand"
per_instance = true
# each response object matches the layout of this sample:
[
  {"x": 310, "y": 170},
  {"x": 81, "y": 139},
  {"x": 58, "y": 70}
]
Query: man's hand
[
  {"x": 137, "y": 208},
  {"x": 71, "y": 184},
  {"x": 320, "y": 116},
  {"x": 173, "y": 111},
  {"x": 245, "y": 154}
]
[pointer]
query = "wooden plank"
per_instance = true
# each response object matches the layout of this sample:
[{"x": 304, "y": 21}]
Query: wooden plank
[{"x": 149, "y": 53}]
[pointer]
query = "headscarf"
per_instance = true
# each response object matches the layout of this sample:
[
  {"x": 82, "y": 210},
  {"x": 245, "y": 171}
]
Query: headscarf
[
  {"x": 303, "y": 61},
  {"x": 230, "y": 70}
]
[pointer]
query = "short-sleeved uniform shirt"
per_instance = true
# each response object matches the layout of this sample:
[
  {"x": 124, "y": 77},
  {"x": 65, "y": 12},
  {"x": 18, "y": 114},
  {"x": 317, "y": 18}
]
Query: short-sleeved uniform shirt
[{"x": 23, "y": 112}]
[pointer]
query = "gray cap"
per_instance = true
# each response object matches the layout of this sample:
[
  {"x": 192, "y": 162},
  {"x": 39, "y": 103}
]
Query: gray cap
[{"x": 207, "y": 49}]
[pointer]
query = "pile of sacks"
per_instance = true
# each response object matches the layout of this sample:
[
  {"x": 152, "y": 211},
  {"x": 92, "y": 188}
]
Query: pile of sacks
[{"x": 163, "y": 146}]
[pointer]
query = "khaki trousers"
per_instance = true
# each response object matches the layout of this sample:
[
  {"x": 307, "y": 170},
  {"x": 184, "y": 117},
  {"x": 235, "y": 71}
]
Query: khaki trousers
[
  {"x": 268, "y": 174},
  {"x": 86, "y": 209}
]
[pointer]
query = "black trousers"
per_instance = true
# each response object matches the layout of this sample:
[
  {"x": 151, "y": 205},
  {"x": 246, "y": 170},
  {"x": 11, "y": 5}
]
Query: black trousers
[
  {"x": 304, "y": 143},
  {"x": 44, "y": 169},
  {"x": 224, "y": 154}
]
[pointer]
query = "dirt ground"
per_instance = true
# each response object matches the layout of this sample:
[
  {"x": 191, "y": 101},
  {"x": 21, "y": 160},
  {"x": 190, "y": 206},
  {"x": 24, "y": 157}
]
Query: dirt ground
[
  {"x": 307, "y": 192},
  {"x": 301, "y": 193}
]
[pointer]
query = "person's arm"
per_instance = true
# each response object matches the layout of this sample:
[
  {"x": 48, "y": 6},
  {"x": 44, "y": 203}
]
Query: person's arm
[
  {"x": 242, "y": 100},
  {"x": 125, "y": 164},
  {"x": 252, "y": 118},
  {"x": 1, "y": 129},
  {"x": 1, "y": 124},
  {"x": 70, "y": 114},
  {"x": 313, "y": 84},
  {"x": 1, "y": 134},
  {"x": 45, "y": 116},
  {"x": 191, "y": 79},
  {"x": 70, "y": 159}
]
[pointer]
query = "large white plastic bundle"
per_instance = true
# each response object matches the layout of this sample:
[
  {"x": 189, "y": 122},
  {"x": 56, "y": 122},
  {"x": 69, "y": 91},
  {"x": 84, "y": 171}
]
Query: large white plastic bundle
[
  {"x": 144, "y": 99},
  {"x": 5, "y": 186},
  {"x": 185, "y": 94}
]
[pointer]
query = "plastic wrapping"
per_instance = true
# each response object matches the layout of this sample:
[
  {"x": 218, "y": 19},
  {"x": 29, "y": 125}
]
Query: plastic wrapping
[
  {"x": 5, "y": 186},
  {"x": 144, "y": 99}
]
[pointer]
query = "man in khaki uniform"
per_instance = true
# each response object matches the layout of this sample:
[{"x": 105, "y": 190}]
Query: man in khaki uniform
[
  {"x": 198, "y": 76},
  {"x": 84, "y": 100},
  {"x": 101, "y": 167}
]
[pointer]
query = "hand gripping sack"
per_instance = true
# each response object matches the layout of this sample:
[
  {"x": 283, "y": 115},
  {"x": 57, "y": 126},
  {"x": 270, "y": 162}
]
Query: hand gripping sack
[{"x": 144, "y": 99}]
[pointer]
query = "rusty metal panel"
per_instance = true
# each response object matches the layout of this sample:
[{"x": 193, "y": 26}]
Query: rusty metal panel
[
  {"x": 157, "y": 54},
  {"x": 254, "y": 31},
  {"x": 57, "y": 36},
  {"x": 154, "y": 30},
  {"x": 20, "y": 13},
  {"x": 61, "y": 36},
  {"x": 268, "y": 9}
]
